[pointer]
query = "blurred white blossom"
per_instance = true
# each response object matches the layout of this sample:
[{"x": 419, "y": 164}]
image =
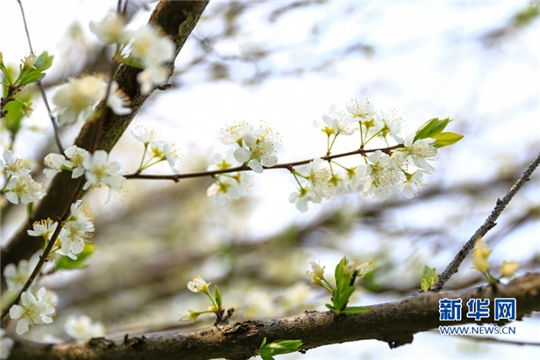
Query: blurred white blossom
[
  {"x": 111, "y": 29},
  {"x": 5, "y": 345},
  {"x": 82, "y": 328},
  {"x": 16, "y": 276},
  {"x": 198, "y": 284},
  {"x": 78, "y": 98}
]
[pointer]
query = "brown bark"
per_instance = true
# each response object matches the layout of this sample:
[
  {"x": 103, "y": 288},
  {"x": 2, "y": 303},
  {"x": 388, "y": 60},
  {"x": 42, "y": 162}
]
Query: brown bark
[
  {"x": 394, "y": 323},
  {"x": 177, "y": 19}
]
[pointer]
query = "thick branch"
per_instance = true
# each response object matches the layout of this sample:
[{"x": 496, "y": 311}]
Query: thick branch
[
  {"x": 394, "y": 323},
  {"x": 177, "y": 19},
  {"x": 490, "y": 223}
]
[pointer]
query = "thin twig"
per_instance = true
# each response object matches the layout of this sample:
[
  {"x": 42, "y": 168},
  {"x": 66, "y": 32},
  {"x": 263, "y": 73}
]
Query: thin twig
[
  {"x": 40, "y": 84},
  {"x": 288, "y": 166},
  {"x": 43, "y": 258},
  {"x": 453, "y": 267}
]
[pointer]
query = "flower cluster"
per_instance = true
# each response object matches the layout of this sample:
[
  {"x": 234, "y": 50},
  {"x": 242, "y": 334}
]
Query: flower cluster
[
  {"x": 385, "y": 170},
  {"x": 156, "y": 149},
  {"x": 96, "y": 167},
  {"x": 77, "y": 228},
  {"x": 36, "y": 308},
  {"x": 78, "y": 98},
  {"x": 19, "y": 185},
  {"x": 254, "y": 148},
  {"x": 147, "y": 46},
  {"x": 228, "y": 186},
  {"x": 82, "y": 328}
]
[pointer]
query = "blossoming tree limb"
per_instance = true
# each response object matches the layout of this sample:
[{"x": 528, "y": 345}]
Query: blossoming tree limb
[
  {"x": 177, "y": 19},
  {"x": 394, "y": 323}
]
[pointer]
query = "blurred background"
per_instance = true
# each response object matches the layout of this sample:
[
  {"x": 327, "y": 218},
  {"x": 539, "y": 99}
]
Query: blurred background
[{"x": 287, "y": 62}]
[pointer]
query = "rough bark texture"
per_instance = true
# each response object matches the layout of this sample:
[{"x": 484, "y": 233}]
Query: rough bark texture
[
  {"x": 394, "y": 323},
  {"x": 177, "y": 19}
]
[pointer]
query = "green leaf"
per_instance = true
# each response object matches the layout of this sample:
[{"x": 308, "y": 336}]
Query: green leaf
[
  {"x": 446, "y": 138},
  {"x": 429, "y": 276},
  {"x": 278, "y": 347},
  {"x": 65, "y": 263},
  {"x": 44, "y": 61},
  {"x": 14, "y": 114},
  {"x": 431, "y": 128},
  {"x": 29, "y": 76},
  {"x": 344, "y": 286}
]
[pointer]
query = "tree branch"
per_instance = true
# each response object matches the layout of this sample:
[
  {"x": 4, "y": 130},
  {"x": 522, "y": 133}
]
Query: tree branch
[
  {"x": 288, "y": 166},
  {"x": 490, "y": 223},
  {"x": 177, "y": 19},
  {"x": 394, "y": 323}
]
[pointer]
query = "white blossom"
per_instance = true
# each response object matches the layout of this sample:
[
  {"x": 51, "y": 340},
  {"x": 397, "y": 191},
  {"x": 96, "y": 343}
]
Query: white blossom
[
  {"x": 262, "y": 148},
  {"x": 338, "y": 122},
  {"x": 82, "y": 328},
  {"x": 354, "y": 178},
  {"x": 5, "y": 345},
  {"x": 16, "y": 276},
  {"x": 99, "y": 171},
  {"x": 317, "y": 273},
  {"x": 389, "y": 122},
  {"x": 21, "y": 187},
  {"x": 159, "y": 148},
  {"x": 118, "y": 100},
  {"x": 384, "y": 175},
  {"x": 229, "y": 187},
  {"x": 81, "y": 214},
  {"x": 254, "y": 147},
  {"x": 235, "y": 133},
  {"x": 145, "y": 135},
  {"x": 151, "y": 48},
  {"x": 12, "y": 165},
  {"x": 303, "y": 196},
  {"x": 361, "y": 111},
  {"x": 55, "y": 164},
  {"x": 43, "y": 228},
  {"x": 76, "y": 156},
  {"x": 152, "y": 76},
  {"x": 411, "y": 183},
  {"x": 34, "y": 309},
  {"x": 198, "y": 284},
  {"x": 77, "y": 228},
  {"x": 111, "y": 29},
  {"x": 320, "y": 176},
  {"x": 420, "y": 151},
  {"x": 78, "y": 98},
  {"x": 165, "y": 150}
]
